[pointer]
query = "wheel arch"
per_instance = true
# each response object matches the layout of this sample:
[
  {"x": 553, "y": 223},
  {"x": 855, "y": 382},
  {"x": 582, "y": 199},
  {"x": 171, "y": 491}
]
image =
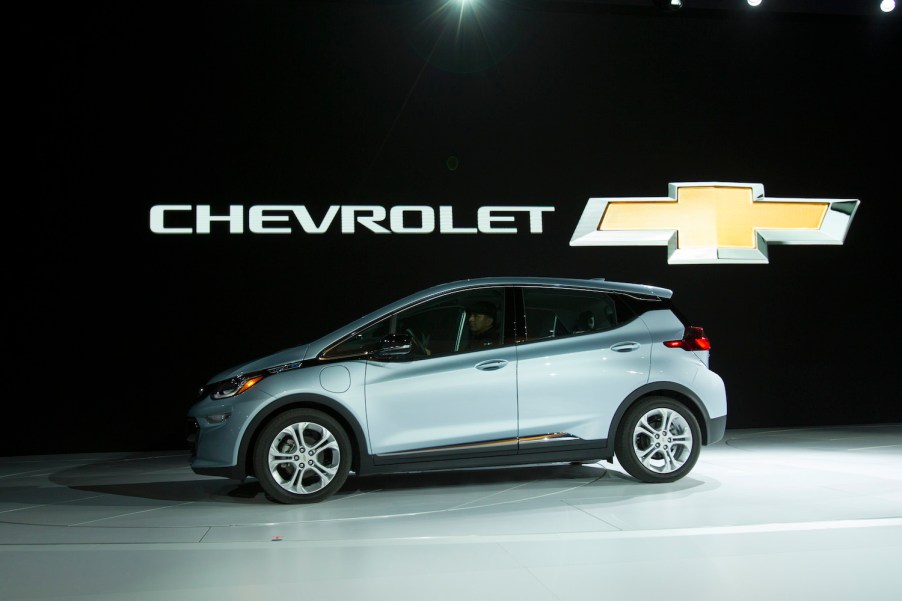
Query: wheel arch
[
  {"x": 300, "y": 401},
  {"x": 672, "y": 390}
]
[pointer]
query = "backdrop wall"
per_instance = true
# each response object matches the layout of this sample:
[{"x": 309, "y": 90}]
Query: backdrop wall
[{"x": 113, "y": 327}]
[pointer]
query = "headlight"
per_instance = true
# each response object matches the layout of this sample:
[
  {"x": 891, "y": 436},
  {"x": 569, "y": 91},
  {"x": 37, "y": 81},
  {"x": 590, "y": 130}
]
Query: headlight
[{"x": 237, "y": 385}]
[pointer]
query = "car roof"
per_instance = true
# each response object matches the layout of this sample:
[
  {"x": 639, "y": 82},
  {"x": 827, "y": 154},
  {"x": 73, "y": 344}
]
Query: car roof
[
  {"x": 590, "y": 283},
  {"x": 601, "y": 284}
]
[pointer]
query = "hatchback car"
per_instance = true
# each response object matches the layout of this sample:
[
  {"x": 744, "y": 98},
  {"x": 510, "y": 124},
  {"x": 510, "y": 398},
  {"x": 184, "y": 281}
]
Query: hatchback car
[{"x": 474, "y": 373}]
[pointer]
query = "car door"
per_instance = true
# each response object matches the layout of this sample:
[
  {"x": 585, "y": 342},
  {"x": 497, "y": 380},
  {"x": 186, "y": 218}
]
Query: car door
[
  {"x": 443, "y": 401},
  {"x": 583, "y": 354}
]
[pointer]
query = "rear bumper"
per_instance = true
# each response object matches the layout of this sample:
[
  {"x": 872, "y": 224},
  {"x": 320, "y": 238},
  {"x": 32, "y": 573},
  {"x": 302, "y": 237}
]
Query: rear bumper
[{"x": 716, "y": 428}]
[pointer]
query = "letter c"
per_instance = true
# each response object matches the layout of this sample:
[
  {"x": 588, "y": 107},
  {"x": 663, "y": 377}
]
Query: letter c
[{"x": 157, "y": 219}]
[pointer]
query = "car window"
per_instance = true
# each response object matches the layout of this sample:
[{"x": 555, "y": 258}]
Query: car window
[
  {"x": 553, "y": 313},
  {"x": 455, "y": 323},
  {"x": 435, "y": 330},
  {"x": 364, "y": 341},
  {"x": 438, "y": 327}
]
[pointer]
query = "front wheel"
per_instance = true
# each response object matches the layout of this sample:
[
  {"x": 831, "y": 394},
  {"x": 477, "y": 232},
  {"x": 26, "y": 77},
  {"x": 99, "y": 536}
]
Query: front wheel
[
  {"x": 658, "y": 440},
  {"x": 302, "y": 456}
]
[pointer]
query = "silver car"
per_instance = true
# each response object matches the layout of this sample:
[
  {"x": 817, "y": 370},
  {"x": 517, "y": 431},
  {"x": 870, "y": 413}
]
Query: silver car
[{"x": 473, "y": 373}]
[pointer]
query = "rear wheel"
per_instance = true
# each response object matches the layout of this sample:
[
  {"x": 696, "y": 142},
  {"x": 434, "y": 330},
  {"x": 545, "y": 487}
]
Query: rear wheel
[
  {"x": 658, "y": 440},
  {"x": 302, "y": 456}
]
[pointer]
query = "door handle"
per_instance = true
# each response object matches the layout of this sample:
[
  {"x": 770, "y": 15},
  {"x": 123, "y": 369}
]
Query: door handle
[
  {"x": 625, "y": 347},
  {"x": 491, "y": 364}
]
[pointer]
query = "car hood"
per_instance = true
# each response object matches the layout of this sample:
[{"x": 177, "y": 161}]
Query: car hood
[{"x": 289, "y": 355}]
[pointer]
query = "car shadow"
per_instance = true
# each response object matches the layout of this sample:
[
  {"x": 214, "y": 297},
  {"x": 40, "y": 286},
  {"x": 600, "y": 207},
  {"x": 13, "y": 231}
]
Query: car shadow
[
  {"x": 158, "y": 476},
  {"x": 169, "y": 478}
]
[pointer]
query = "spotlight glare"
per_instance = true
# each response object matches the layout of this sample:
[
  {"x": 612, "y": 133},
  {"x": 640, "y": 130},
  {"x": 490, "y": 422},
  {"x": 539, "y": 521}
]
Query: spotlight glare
[
  {"x": 754, "y": 2},
  {"x": 668, "y": 5},
  {"x": 887, "y": 5}
]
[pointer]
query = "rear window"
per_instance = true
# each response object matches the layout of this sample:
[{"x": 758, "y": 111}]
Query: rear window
[{"x": 553, "y": 313}]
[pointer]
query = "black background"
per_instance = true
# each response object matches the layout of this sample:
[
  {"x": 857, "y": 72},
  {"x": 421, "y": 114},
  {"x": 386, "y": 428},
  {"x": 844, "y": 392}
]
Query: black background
[{"x": 111, "y": 328}]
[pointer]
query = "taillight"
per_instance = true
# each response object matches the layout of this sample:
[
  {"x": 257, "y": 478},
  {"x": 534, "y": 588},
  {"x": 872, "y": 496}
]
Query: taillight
[{"x": 693, "y": 339}]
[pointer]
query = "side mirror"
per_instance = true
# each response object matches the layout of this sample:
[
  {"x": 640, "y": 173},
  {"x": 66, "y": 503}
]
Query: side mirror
[{"x": 394, "y": 345}]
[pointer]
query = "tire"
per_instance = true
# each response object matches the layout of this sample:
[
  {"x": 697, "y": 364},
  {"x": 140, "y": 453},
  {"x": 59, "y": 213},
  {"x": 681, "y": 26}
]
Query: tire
[
  {"x": 302, "y": 456},
  {"x": 663, "y": 422}
]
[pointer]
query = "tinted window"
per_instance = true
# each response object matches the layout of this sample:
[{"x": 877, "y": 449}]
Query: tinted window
[
  {"x": 552, "y": 313},
  {"x": 450, "y": 324},
  {"x": 363, "y": 342}
]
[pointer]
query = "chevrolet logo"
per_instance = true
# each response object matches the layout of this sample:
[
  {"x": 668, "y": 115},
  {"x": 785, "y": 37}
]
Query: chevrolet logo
[{"x": 713, "y": 222}]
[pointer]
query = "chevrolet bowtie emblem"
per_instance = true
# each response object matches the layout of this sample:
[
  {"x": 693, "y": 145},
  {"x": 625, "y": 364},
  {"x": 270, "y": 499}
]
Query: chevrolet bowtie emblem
[{"x": 713, "y": 222}]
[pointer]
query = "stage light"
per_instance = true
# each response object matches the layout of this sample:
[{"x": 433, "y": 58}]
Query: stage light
[
  {"x": 754, "y": 2},
  {"x": 668, "y": 5},
  {"x": 887, "y": 5}
]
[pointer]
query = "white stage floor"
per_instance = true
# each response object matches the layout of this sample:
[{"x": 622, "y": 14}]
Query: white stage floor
[{"x": 802, "y": 513}]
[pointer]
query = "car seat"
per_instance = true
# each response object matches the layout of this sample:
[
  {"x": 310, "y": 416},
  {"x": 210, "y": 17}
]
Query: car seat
[{"x": 585, "y": 322}]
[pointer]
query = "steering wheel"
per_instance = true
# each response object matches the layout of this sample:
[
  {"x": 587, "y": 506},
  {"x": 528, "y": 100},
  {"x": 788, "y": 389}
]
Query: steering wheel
[{"x": 417, "y": 342}]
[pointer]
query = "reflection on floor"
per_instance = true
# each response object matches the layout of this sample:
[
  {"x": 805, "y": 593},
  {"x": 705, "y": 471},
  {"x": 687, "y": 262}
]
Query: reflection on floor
[{"x": 813, "y": 513}]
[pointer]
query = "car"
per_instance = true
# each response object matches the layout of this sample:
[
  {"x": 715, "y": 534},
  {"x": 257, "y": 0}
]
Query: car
[{"x": 486, "y": 372}]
